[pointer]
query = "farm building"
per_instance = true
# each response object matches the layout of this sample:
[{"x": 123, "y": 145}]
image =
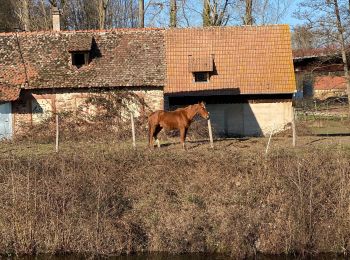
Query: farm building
[
  {"x": 319, "y": 73},
  {"x": 245, "y": 74},
  {"x": 57, "y": 71}
]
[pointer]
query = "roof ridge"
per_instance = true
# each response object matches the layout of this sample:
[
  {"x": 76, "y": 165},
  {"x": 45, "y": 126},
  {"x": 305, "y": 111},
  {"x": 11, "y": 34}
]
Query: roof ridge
[
  {"x": 82, "y": 31},
  {"x": 144, "y": 29},
  {"x": 229, "y": 27}
]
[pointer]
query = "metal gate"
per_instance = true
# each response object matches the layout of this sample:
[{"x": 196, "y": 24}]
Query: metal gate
[{"x": 5, "y": 121}]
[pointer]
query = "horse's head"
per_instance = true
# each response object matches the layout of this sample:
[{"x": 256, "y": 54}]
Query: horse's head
[{"x": 202, "y": 110}]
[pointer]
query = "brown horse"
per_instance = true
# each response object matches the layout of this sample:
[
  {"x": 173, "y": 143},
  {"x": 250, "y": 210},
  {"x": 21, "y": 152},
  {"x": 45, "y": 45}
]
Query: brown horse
[{"x": 179, "y": 119}]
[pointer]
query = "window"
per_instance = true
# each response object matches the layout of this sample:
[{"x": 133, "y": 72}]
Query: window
[
  {"x": 201, "y": 76},
  {"x": 80, "y": 58}
]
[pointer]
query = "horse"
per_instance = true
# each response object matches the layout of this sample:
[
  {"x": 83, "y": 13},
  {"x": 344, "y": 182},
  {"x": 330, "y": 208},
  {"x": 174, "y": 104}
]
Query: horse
[{"x": 180, "y": 119}]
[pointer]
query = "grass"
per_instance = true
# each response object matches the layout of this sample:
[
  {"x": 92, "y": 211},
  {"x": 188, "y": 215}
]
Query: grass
[
  {"x": 239, "y": 145},
  {"x": 326, "y": 125},
  {"x": 330, "y": 127}
]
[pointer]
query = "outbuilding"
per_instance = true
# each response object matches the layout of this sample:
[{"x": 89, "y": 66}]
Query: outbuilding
[{"x": 245, "y": 74}]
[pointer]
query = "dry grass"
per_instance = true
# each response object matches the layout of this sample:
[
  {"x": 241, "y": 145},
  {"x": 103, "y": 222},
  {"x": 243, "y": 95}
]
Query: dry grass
[
  {"x": 99, "y": 196},
  {"x": 105, "y": 198}
]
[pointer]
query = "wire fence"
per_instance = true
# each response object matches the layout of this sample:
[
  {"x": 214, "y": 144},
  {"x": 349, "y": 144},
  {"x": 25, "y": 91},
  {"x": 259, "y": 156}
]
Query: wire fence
[{"x": 115, "y": 122}]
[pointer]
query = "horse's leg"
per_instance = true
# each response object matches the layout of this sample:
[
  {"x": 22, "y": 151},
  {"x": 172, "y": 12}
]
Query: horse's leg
[
  {"x": 155, "y": 134},
  {"x": 186, "y": 130},
  {"x": 151, "y": 129},
  {"x": 183, "y": 132}
]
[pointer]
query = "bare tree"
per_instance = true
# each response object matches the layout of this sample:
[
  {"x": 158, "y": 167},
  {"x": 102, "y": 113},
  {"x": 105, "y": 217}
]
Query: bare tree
[
  {"x": 341, "y": 37},
  {"x": 326, "y": 18},
  {"x": 206, "y": 13},
  {"x": 260, "y": 12},
  {"x": 22, "y": 13},
  {"x": 32, "y": 14},
  {"x": 173, "y": 13},
  {"x": 270, "y": 11},
  {"x": 141, "y": 13},
  {"x": 215, "y": 12},
  {"x": 232, "y": 12},
  {"x": 303, "y": 38},
  {"x": 8, "y": 18},
  {"x": 100, "y": 14},
  {"x": 102, "y": 11},
  {"x": 248, "y": 18}
]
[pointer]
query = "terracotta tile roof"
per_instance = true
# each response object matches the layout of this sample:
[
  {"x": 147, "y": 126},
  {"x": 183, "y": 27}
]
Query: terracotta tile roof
[
  {"x": 250, "y": 59},
  {"x": 329, "y": 83},
  {"x": 244, "y": 59},
  {"x": 80, "y": 43},
  {"x": 8, "y": 93},
  {"x": 200, "y": 64},
  {"x": 118, "y": 58}
]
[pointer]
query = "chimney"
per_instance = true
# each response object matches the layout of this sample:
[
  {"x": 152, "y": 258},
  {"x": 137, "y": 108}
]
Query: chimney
[{"x": 56, "y": 26}]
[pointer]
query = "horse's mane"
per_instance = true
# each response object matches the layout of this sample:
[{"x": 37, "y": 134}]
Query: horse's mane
[{"x": 183, "y": 108}]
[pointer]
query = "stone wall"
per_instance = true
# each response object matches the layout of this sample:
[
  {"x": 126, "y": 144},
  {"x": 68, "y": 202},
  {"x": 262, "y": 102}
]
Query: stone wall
[
  {"x": 326, "y": 93},
  {"x": 34, "y": 106}
]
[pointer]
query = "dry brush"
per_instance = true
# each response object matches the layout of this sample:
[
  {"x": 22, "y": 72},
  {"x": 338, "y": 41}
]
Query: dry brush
[{"x": 121, "y": 201}]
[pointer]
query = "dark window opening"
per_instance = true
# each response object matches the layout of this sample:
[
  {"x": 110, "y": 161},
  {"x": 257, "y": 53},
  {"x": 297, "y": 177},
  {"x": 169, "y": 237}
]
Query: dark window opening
[
  {"x": 80, "y": 59},
  {"x": 201, "y": 76}
]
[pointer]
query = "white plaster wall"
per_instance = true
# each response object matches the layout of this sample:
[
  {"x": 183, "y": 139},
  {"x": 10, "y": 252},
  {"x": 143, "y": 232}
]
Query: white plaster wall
[
  {"x": 267, "y": 117},
  {"x": 254, "y": 119}
]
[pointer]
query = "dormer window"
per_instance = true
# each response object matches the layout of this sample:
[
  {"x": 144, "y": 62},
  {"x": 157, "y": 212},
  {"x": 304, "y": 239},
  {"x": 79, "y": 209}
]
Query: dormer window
[
  {"x": 80, "y": 58},
  {"x": 80, "y": 48},
  {"x": 201, "y": 67},
  {"x": 201, "y": 76}
]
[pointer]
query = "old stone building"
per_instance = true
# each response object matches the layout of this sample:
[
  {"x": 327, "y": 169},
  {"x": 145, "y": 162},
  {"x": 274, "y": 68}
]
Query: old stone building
[
  {"x": 57, "y": 71},
  {"x": 245, "y": 74}
]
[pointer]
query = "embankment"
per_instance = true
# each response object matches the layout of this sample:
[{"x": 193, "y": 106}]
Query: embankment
[{"x": 121, "y": 201}]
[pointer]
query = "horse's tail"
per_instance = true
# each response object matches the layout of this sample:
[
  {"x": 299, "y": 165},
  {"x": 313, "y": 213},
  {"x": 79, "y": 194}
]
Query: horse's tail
[{"x": 150, "y": 123}]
